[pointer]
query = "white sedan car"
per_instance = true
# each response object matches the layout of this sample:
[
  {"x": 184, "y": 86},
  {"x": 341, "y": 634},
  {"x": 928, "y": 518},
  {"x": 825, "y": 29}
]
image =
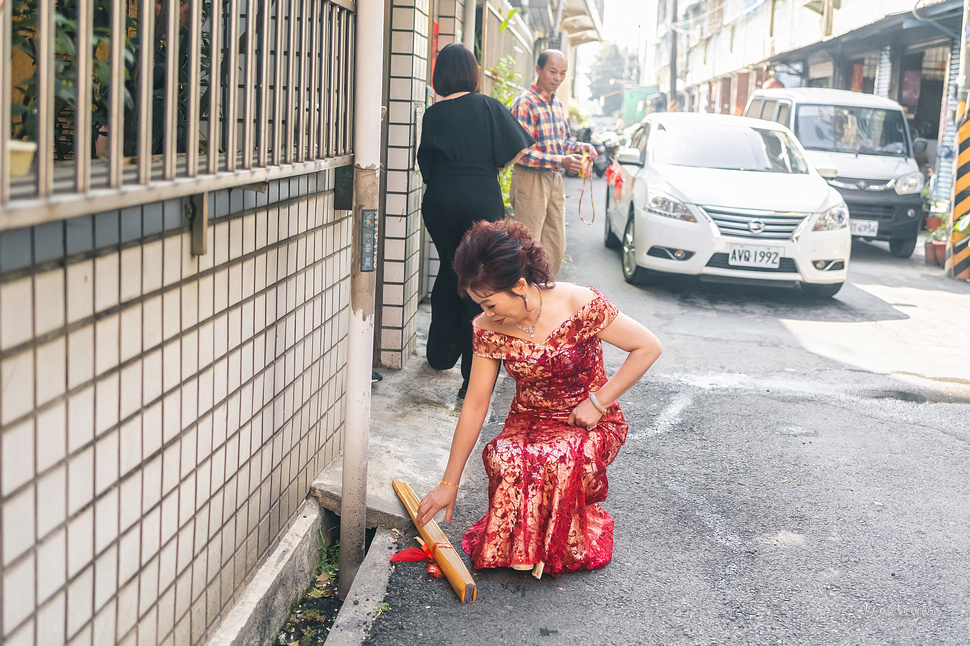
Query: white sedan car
[{"x": 728, "y": 199}]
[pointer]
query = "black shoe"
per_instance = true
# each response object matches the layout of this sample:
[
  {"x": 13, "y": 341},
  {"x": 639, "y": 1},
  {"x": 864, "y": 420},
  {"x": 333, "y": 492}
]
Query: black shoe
[
  {"x": 375, "y": 376},
  {"x": 463, "y": 390}
]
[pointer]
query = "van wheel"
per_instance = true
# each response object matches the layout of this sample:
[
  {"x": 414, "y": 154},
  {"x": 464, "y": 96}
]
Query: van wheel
[
  {"x": 632, "y": 272},
  {"x": 609, "y": 238},
  {"x": 902, "y": 247},
  {"x": 821, "y": 291}
]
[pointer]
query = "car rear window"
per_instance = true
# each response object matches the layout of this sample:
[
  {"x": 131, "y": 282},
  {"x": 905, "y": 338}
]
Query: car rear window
[{"x": 728, "y": 147}]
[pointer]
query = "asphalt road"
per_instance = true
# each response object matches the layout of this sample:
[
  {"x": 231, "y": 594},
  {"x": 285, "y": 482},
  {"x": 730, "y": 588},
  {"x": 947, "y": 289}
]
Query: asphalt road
[{"x": 797, "y": 472}]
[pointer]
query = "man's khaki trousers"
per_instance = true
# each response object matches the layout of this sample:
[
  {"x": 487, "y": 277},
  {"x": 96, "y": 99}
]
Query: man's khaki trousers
[{"x": 538, "y": 199}]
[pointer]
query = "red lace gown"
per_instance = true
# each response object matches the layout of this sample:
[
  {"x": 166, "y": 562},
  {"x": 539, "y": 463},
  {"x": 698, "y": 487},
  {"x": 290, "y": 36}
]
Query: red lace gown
[{"x": 545, "y": 478}]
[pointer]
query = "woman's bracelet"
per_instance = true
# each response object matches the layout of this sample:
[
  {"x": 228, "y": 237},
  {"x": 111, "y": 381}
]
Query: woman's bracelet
[
  {"x": 598, "y": 406},
  {"x": 450, "y": 484}
]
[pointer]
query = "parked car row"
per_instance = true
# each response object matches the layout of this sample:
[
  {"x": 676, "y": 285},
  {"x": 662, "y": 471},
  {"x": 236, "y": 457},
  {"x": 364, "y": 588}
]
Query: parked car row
[{"x": 746, "y": 199}]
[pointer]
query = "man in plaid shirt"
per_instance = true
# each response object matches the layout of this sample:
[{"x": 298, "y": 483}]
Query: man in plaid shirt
[{"x": 537, "y": 193}]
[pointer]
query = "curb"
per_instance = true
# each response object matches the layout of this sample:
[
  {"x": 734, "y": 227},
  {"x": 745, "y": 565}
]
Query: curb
[{"x": 359, "y": 609}]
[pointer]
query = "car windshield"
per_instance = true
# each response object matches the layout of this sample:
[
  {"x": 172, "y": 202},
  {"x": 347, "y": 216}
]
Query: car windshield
[
  {"x": 727, "y": 147},
  {"x": 848, "y": 129}
]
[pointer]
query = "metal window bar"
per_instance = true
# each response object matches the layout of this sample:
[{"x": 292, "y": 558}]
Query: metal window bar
[
  {"x": 290, "y": 82},
  {"x": 146, "y": 17},
  {"x": 264, "y": 55},
  {"x": 278, "y": 84},
  {"x": 301, "y": 51},
  {"x": 171, "y": 87},
  {"x": 116, "y": 110},
  {"x": 249, "y": 102},
  {"x": 82, "y": 118},
  {"x": 193, "y": 109},
  {"x": 232, "y": 84},
  {"x": 215, "y": 85}
]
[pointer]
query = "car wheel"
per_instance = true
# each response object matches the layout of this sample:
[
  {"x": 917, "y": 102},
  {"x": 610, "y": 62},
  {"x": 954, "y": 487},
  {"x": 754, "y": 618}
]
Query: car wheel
[
  {"x": 821, "y": 291},
  {"x": 632, "y": 272},
  {"x": 609, "y": 238},
  {"x": 902, "y": 247}
]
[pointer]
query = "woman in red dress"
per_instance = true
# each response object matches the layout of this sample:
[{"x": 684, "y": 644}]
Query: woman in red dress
[{"x": 547, "y": 468}]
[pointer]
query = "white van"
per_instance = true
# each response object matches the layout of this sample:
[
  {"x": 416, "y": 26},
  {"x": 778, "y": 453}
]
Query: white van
[{"x": 860, "y": 143}]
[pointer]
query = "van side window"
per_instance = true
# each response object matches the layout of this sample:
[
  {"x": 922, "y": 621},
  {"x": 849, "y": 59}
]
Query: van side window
[
  {"x": 784, "y": 109},
  {"x": 769, "y": 110},
  {"x": 754, "y": 110},
  {"x": 642, "y": 146}
]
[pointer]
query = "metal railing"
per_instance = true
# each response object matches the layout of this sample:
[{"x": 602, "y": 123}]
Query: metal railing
[{"x": 180, "y": 96}]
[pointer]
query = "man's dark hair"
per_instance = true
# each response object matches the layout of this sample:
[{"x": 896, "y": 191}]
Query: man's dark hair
[{"x": 455, "y": 70}]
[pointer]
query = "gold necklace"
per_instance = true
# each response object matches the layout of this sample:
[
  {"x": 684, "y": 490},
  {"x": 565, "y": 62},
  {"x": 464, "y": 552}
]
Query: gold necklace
[{"x": 531, "y": 330}]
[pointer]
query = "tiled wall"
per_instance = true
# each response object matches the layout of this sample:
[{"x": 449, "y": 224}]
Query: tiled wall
[
  {"x": 409, "y": 255},
  {"x": 403, "y": 229},
  {"x": 162, "y": 414}
]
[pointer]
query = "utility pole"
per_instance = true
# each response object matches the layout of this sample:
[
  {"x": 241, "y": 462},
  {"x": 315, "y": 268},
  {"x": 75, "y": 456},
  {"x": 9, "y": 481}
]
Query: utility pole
[
  {"x": 957, "y": 263},
  {"x": 672, "y": 98}
]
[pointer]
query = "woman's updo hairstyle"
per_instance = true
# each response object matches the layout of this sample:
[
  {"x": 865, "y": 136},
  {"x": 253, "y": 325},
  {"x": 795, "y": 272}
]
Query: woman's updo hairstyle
[{"x": 493, "y": 256}]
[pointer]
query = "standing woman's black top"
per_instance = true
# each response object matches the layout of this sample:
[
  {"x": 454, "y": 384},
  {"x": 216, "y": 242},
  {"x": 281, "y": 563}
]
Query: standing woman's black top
[{"x": 465, "y": 141}]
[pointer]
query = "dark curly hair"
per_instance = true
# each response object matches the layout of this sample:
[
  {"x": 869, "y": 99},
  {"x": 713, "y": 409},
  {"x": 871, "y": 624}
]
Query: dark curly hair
[{"x": 493, "y": 256}]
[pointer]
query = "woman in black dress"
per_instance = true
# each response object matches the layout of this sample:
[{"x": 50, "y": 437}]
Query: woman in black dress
[{"x": 466, "y": 139}]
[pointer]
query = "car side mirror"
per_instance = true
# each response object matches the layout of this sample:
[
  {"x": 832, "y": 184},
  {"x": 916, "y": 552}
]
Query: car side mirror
[
  {"x": 919, "y": 146},
  {"x": 828, "y": 173},
  {"x": 629, "y": 156}
]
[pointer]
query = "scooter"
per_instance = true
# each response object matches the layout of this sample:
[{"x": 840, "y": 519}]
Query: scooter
[{"x": 604, "y": 157}]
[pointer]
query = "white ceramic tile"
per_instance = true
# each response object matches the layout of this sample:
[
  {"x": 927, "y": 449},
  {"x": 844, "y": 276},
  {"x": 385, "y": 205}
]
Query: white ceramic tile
[
  {"x": 18, "y": 524},
  {"x": 107, "y": 394},
  {"x": 235, "y": 238},
  {"x": 151, "y": 266},
  {"x": 151, "y": 483},
  {"x": 80, "y": 542},
  {"x": 130, "y": 445},
  {"x": 80, "y": 365},
  {"x": 206, "y": 344},
  {"x": 152, "y": 377},
  {"x": 148, "y": 593},
  {"x": 104, "y": 623},
  {"x": 51, "y": 565},
  {"x": 80, "y": 290},
  {"x": 80, "y": 596},
  {"x": 220, "y": 244},
  {"x": 235, "y": 284},
  {"x": 152, "y": 322},
  {"x": 129, "y": 555},
  {"x": 190, "y": 304},
  {"x": 17, "y": 386},
  {"x": 166, "y": 607},
  {"x": 172, "y": 249},
  {"x": 152, "y": 430},
  {"x": 48, "y": 301},
  {"x": 51, "y": 370},
  {"x": 171, "y": 313},
  {"x": 127, "y": 612},
  {"x": 131, "y": 389},
  {"x": 171, "y": 365},
  {"x": 171, "y": 415},
  {"x": 220, "y": 330},
  {"x": 190, "y": 355},
  {"x": 171, "y": 468},
  {"x": 130, "y": 502},
  {"x": 131, "y": 332},
  {"x": 205, "y": 284},
  {"x": 150, "y": 527},
  {"x": 249, "y": 233},
  {"x": 190, "y": 403},
  {"x": 131, "y": 267},
  {"x": 107, "y": 343},
  {"x": 105, "y": 521},
  {"x": 80, "y": 478},
  {"x": 221, "y": 290},
  {"x": 105, "y": 577},
  {"x": 51, "y": 494},
  {"x": 18, "y": 591},
  {"x": 17, "y": 455},
  {"x": 106, "y": 282},
  {"x": 106, "y": 462},
  {"x": 52, "y": 435},
  {"x": 170, "y": 516}
]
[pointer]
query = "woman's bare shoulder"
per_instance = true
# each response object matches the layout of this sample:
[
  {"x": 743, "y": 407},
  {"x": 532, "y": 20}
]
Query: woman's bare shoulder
[{"x": 576, "y": 295}]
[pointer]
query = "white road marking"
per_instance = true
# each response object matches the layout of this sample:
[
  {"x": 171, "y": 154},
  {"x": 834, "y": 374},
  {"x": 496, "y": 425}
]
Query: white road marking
[{"x": 667, "y": 418}]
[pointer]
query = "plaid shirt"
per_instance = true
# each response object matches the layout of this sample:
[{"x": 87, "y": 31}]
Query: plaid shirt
[{"x": 541, "y": 114}]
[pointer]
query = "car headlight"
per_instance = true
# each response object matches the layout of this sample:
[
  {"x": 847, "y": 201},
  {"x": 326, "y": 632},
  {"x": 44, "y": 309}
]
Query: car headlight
[
  {"x": 667, "y": 206},
  {"x": 835, "y": 218},
  {"x": 909, "y": 183}
]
